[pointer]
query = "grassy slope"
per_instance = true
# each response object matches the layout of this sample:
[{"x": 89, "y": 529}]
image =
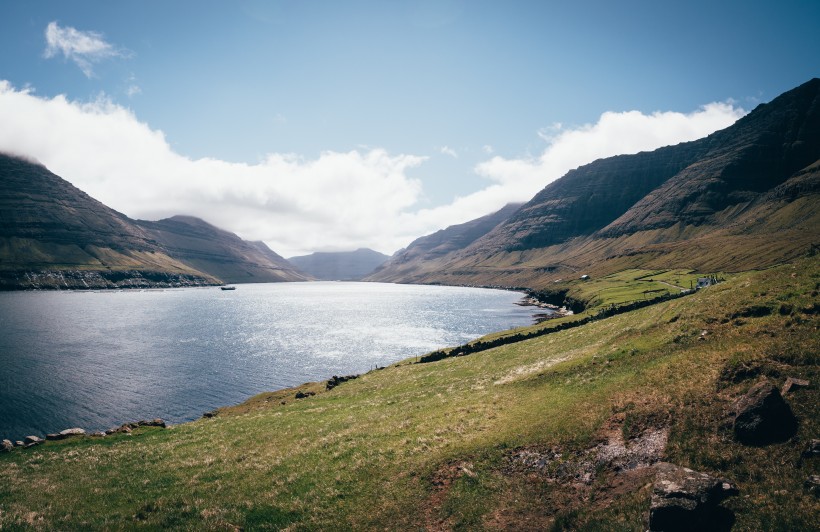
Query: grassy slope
[{"x": 426, "y": 445}]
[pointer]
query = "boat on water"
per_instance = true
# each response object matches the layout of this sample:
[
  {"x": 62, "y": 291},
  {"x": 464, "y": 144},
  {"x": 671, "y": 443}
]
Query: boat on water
[{"x": 227, "y": 288}]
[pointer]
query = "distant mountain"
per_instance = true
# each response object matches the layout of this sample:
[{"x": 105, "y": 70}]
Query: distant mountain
[
  {"x": 53, "y": 235},
  {"x": 220, "y": 253},
  {"x": 340, "y": 266},
  {"x": 407, "y": 264},
  {"x": 744, "y": 197}
]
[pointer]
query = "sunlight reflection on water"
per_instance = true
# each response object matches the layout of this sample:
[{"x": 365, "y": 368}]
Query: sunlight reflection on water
[{"x": 97, "y": 359}]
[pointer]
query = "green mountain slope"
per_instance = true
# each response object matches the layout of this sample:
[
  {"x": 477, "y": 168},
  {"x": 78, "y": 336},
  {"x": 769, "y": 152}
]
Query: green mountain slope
[
  {"x": 744, "y": 197},
  {"x": 53, "y": 235},
  {"x": 220, "y": 253},
  {"x": 406, "y": 264}
]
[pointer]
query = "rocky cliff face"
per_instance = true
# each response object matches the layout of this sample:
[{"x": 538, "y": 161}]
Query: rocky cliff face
[{"x": 340, "y": 266}]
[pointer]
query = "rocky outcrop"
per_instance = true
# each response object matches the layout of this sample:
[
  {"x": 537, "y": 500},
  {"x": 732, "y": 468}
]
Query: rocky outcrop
[
  {"x": 686, "y": 500},
  {"x": 793, "y": 383},
  {"x": 336, "y": 380},
  {"x": 6, "y": 446},
  {"x": 762, "y": 416}
]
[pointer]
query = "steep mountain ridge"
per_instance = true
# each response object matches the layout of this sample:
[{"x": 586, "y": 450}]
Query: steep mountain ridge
[
  {"x": 743, "y": 197},
  {"x": 53, "y": 235},
  {"x": 220, "y": 253},
  {"x": 427, "y": 249}
]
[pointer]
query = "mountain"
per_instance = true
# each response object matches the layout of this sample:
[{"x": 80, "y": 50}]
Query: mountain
[
  {"x": 53, "y": 235},
  {"x": 340, "y": 266},
  {"x": 220, "y": 253},
  {"x": 741, "y": 198},
  {"x": 409, "y": 262}
]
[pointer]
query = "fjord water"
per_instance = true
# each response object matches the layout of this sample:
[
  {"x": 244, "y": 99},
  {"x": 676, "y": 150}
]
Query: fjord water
[{"x": 98, "y": 359}]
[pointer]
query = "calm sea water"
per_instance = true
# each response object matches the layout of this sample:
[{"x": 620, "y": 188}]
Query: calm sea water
[{"x": 98, "y": 359}]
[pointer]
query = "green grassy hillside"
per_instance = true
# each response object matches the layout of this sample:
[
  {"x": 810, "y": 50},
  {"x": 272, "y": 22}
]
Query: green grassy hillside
[{"x": 457, "y": 444}]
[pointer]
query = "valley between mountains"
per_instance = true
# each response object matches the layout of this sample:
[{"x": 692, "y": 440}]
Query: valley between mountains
[{"x": 652, "y": 406}]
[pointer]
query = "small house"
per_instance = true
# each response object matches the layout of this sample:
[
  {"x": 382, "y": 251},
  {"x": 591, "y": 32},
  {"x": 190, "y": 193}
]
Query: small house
[{"x": 703, "y": 282}]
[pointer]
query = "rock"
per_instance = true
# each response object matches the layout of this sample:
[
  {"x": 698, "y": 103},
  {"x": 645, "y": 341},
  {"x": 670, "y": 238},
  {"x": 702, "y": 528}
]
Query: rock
[
  {"x": 210, "y": 414},
  {"x": 336, "y": 380},
  {"x": 99, "y": 434},
  {"x": 793, "y": 383},
  {"x": 812, "y": 485},
  {"x": 812, "y": 449},
  {"x": 302, "y": 395},
  {"x": 6, "y": 446},
  {"x": 70, "y": 433},
  {"x": 32, "y": 440},
  {"x": 156, "y": 422},
  {"x": 19, "y": 443},
  {"x": 683, "y": 499},
  {"x": 51, "y": 437},
  {"x": 762, "y": 416}
]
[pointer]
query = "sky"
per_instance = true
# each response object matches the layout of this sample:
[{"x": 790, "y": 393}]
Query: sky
[{"x": 334, "y": 125}]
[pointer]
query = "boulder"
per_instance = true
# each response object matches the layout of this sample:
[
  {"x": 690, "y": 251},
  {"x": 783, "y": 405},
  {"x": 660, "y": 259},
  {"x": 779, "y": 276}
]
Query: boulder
[
  {"x": 19, "y": 443},
  {"x": 762, "y": 416},
  {"x": 683, "y": 499},
  {"x": 28, "y": 441},
  {"x": 69, "y": 433},
  {"x": 6, "y": 446}
]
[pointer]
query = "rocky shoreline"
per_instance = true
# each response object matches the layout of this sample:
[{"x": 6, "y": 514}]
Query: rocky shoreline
[
  {"x": 96, "y": 280},
  {"x": 125, "y": 428}
]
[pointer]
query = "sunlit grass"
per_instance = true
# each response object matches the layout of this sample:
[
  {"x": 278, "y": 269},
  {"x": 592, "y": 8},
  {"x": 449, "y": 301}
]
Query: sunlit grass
[{"x": 364, "y": 455}]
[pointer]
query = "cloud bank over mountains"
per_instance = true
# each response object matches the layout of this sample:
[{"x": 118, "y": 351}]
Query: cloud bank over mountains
[{"x": 337, "y": 201}]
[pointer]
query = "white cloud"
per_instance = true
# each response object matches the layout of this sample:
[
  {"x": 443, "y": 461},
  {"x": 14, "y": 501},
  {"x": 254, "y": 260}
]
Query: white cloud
[
  {"x": 133, "y": 90},
  {"x": 446, "y": 150},
  {"x": 83, "y": 47},
  {"x": 613, "y": 134},
  {"x": 339, "y": 200},
  {"x": 487, "y": 149}
]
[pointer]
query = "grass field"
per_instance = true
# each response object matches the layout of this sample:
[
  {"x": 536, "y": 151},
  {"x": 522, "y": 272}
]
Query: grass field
[{"x": 435, "y": 446}]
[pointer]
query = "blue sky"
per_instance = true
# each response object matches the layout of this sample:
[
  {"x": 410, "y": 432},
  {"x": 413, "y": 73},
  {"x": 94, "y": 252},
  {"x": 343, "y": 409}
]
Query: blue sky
[{"x": 440, "y": 88}]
